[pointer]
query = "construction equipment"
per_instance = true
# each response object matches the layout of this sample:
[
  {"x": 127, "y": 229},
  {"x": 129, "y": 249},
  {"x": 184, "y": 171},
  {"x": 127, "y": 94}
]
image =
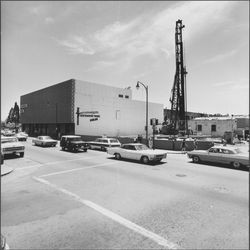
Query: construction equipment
[{"x": 176, "y": 123}]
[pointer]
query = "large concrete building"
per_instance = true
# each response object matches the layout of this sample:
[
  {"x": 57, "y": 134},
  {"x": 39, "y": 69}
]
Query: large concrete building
[{"x": 104, "y": 110}]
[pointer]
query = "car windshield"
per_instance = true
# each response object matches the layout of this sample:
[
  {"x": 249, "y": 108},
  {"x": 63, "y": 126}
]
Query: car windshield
[
  {"x": 238, "y": 151},
  {"x": 75, "y": 139},
  {"x": 46, "y": 138},
  {"x": 114, "y": 141},
  {"x": 141, "y": 147},
  {"x": 5, "y": 140}
]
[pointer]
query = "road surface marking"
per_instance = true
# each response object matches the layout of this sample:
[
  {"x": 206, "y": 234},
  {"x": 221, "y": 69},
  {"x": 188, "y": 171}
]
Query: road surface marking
[
  {"x": 56, "y": 162},
  {"x": 136, "y": 228},
  {"x": 76, "y": 169}
]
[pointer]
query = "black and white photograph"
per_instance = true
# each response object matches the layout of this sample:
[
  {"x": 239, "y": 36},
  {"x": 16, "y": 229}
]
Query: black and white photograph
[{"x": 124, "y": 125}]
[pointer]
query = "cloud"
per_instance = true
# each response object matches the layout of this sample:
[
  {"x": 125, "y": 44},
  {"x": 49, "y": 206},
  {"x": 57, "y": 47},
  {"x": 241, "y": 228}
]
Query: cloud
[
  {"x": 220, "y": 57},
  {"x": 151, "y": 35},
  {"x": 77, "y": 45},
  {"x": 233, "y": 85},
  {"x": 222, "y": 84},
  {"x": 100, "y": 65},
  {"x": 49, "y": 20}
]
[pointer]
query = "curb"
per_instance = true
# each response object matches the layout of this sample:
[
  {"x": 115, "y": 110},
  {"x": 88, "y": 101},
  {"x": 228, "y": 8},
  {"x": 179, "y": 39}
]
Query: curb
[
  {"x": 6, "y": 170},
  {"x": 178, "y": 153}
]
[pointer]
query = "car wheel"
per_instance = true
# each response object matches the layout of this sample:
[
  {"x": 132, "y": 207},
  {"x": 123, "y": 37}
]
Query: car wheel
[
  {"x": 145, "y": 159},
  {"x": 196, "y": 159},
  {"x": 22, "y": 154},
  {"x": 103, "y": 149},
  {"x": 85, "y": 150},
  {"x": 117, "y": 156},
  {"x": 236, "y": 164}
]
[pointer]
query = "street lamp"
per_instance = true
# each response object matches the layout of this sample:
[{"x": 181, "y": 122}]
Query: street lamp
[{"x": 146, "y": 88}]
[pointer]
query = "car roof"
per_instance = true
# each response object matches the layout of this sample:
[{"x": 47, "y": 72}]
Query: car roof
[
  {"x": 133, "y": 144},
  {"x": 106, "y": 138},
  {"x": 71, "y": 136},
  {"x": 8, "y": 137},
  {"x": 224, "y": 147}
]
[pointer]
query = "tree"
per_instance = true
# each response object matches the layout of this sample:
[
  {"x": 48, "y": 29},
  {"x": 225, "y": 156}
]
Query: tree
[{"x": 14, "y": 116}]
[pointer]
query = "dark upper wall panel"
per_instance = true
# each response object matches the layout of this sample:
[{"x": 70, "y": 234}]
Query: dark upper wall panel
[{"x": 54, "y": 104}]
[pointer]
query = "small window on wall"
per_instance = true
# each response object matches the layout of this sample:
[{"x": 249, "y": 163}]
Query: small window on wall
[
  {"x": 126, "y": 96},
  {"x": 199, "y": 127},
  {"x": 213, "y": 128},
  {"x": 121, "y": 96}
]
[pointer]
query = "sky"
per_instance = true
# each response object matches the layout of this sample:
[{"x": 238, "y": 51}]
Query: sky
[{"x": 118, "y": 43}]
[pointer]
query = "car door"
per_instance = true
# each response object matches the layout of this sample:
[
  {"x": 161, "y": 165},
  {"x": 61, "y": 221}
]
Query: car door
[
  {"x": 228, "y": 156},
  {"x": 38, "y": 140},
  {"x": 211, "y": 155},
  {"x": 133, "y": 153},
  {"x": 126, "y": 152}
]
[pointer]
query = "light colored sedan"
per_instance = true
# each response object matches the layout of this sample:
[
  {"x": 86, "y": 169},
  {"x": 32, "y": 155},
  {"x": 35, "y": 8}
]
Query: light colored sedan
[
  {"x": 137, "y": 151},
  {"x": 221, "y": 154},
  {"x": 21, "y": 136},
  {"x": 44, "y": 141},
  {"x": 10, "y": 145}
]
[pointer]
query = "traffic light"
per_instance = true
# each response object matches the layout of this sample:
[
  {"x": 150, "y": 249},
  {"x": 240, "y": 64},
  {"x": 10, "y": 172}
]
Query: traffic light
[
  {"x": 78, "y": 113},
  {"x": 153, "y": 121}
]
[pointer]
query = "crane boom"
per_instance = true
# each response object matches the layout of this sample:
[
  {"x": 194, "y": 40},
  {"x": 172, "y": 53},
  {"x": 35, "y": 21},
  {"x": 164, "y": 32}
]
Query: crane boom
[{"x": 177, "y": 119}]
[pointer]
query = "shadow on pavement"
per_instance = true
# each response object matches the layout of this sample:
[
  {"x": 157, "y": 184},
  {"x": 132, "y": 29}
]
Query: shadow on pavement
[{"x": 134, "y": 161}]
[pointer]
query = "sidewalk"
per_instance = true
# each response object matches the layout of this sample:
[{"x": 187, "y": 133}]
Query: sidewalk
[
  {"x": 175, "y": 152},
  {"x": 5, "y": 170}
]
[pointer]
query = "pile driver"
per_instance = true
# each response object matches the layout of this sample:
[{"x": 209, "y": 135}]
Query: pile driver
[{"x": 176, "y": 122}]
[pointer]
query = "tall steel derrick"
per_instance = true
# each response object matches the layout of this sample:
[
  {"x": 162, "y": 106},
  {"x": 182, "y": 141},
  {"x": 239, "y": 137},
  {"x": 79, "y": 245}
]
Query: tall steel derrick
[{"x": 178, "y": 121}]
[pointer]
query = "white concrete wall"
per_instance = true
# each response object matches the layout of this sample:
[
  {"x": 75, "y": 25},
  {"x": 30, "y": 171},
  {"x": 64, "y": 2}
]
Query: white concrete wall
[
  {"x": 118, "y": 116},
  {"x": 222, "y": 125}
]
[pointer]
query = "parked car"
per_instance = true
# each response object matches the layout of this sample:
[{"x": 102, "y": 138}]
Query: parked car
[
  {"x": 221, "y": 154},
  {"x": 2, "y": 156},
  {"x": 22, "y": 136},
  {"x": 73, "y": 143},
  {"x": 104, "y": 143},
  {"x": 8, "y": 132},
  {"x": 11, "y": 145},
  {"x": 137, "y": 151},
  {"x": 44, "y": 141}
]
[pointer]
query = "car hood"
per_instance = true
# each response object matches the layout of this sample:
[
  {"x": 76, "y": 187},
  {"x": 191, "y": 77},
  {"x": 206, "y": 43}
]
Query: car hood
[
  {"x": 77, "y": 142},
  {"x": 11, "y": 144},
  {"x": 49, "y": 140},
  {"x": 197, "y": 152},
  {"x": 152, "y": 152}
]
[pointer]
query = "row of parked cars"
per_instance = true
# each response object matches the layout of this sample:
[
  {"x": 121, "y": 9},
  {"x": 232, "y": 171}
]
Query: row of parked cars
[
  {"x": 135, "y": 151},
  {"x": 232, "y": 155},
  {"x": 74, "y": 143}
]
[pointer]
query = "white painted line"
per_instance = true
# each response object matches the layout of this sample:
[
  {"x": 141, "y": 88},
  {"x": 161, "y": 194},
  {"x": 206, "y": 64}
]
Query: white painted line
[
  {"x": 32, "y": 166},
  {"x": 136, "y": 228},
  {"x": 76, "y": 169},
  {"x": 56, "y": 162}
]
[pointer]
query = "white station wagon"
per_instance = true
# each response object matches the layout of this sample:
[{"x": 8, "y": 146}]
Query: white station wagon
[
  {"x": 137, "y": 151},
  {"x": 104, "y": 143}
]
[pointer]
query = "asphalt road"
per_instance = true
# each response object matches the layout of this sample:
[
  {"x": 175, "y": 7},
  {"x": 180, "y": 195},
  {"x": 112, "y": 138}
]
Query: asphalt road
[{"x": 61, "y": 200}]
